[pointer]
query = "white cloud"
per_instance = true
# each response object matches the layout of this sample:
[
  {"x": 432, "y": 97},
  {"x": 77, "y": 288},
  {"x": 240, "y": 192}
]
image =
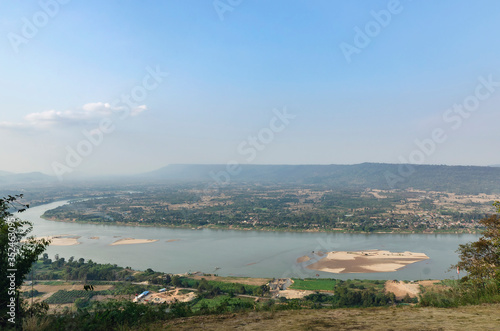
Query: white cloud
[
  {"x": 137, "y": 110},
  {"x": 90, "y": 113}
]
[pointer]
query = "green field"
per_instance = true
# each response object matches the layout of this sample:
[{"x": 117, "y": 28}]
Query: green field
[
  {"x": 328, "y": 284},
  {"x": 313, "y": 284},
  {"x": 219, "y": 300},
  {"x": 224, "y": 286}
]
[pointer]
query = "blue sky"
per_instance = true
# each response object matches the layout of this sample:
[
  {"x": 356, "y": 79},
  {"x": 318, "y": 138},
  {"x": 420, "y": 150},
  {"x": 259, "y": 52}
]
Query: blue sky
[{"x": 228, "y": 77}]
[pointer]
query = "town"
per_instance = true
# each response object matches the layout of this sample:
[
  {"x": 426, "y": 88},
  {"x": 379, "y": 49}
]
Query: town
[{"x": 283, "y": 208}]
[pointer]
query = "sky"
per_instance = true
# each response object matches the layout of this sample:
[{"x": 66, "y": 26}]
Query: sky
[{"x": 120, "y": 87}]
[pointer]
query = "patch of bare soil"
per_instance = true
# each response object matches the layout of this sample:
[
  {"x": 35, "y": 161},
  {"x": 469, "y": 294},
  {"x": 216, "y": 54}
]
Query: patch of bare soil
[{"x": 401, "y": 289}]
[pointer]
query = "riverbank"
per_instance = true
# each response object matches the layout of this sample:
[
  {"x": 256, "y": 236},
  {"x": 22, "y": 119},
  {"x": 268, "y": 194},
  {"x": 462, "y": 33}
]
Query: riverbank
[
  {"x": 254, "y": 254},
  {"x": 221, "y": 227}
]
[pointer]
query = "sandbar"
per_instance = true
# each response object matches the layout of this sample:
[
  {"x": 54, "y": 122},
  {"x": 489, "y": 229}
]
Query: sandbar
[
  {"x": 304, "y": 258},
  {"x": 61, "y": 240},
  {"x": 131, "y": 241},
  {"x": 367, "y": 261}
]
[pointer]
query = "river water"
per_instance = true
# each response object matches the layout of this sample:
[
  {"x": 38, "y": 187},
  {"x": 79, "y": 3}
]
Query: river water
[{"x": 242, "y": 253}]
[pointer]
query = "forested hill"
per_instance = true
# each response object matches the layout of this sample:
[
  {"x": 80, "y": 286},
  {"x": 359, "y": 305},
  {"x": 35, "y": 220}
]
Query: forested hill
[{"x": 459, "y": 179}]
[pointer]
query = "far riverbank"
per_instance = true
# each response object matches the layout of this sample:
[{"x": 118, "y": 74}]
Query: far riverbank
[{"x": 236, "y": 228}]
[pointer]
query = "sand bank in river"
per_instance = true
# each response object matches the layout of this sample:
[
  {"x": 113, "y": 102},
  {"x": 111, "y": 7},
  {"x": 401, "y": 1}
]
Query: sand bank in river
[
  {"x": 130, "y": 241},
  {"x": 62, "y": 240},
  {"x": 366, "y": 261},
  {"x": 304, "y": 258}
]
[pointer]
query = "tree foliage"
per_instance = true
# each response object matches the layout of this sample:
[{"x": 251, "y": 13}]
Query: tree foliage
[
  {"x": 18, "y": 252},
  {"x": 481, "y": 259}
]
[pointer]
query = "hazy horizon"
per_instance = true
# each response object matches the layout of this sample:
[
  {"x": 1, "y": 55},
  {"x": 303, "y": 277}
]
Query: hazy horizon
[
  {"x": 223, "y": 166},
  {"x": 101, "y": 88}
]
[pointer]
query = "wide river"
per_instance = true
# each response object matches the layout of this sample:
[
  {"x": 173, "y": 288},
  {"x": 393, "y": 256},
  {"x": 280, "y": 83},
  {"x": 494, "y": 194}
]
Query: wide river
[{"x": 242, "y": 253}]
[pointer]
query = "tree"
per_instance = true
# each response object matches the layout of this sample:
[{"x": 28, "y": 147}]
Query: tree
[
  {"x": 203, "y": 285},
  {"x": 167, "y": 279},
  {"x": 176, "y": 281},
  {"x": 481, "y": 259},
  {"x": 18, "y": 252}
]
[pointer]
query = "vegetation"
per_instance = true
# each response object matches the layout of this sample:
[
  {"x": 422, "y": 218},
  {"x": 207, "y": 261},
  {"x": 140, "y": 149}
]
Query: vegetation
[
  {"x": 217, "y": 287},
  {"x": 481, "y": 261},
  {"x": 313, "y": 284},
  {"x": 484, "y": 317},
  {"x": 19, "y": 251},
  {"x": 325, "y": 284},
  {"x": 62, "y": 296},
  {"x": 279, "y": 207}
]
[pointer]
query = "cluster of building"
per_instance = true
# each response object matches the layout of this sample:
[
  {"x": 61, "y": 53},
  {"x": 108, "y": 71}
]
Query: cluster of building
[
  {"x": 164, "y": 296},
  {"x": 279, "y": 284}
]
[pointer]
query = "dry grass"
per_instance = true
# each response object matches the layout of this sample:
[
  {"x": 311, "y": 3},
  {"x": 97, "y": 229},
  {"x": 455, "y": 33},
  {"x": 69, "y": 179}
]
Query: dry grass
[
  {"x": 240, "y": 280},
  {"x": 35, "y": 323},
  {"x": 67, "y": 287},
  {"x": 483, "y": 317}
]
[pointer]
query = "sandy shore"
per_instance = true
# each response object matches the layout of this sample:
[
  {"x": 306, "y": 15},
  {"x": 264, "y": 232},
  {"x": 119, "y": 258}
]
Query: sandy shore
[
  {"x": 131, "y": 241},
  {"x": 62, "y": 240},
  {"x": 366, "y": 261}
]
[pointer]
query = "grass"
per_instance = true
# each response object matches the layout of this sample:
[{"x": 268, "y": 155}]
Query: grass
[
  {"x": 224, "y": 286},
  {"x": 459, "y": 296},
  {"x": 484, "y": 317},
  {"x": 448, "y": 282},
  {"x": 214, "y": 302},
  {"x": 375, "y": 284},
  {"x": 232, "y": 279},
  {"x": 313, "y": 284},
  {"x": 62, "y": 296},
  {"x": 54, "y": 282},
  {"x": 328, "y": 284}
]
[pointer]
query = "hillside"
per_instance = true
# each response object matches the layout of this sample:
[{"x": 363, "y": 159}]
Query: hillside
[
  {"x": 484, "y": 317},
  {"x": 458, "y": 179}
]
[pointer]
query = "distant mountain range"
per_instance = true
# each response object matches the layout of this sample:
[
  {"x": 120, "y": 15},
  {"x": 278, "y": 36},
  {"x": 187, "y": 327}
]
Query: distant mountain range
[{"x": 460, "y": 179}]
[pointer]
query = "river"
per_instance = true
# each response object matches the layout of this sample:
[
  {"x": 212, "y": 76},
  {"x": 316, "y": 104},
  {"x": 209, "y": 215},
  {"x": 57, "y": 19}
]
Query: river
[{"x": 242, "y": 253}]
